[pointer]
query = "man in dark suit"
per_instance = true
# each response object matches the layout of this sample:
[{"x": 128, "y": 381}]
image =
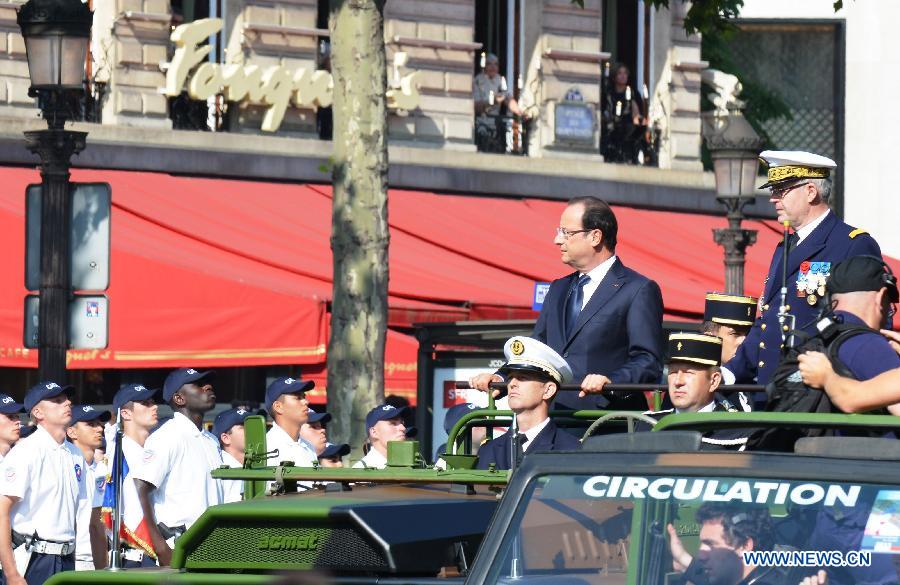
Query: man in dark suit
[
  {"x": 801, "y": 191},
  {"x": 604, "y": 319},
  {"x": 534, "y": 373}
]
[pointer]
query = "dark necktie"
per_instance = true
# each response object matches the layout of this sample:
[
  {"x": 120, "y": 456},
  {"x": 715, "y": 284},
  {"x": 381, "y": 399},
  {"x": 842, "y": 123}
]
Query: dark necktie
[
  {"x": 793, "y": 240},
  {"x": 573, "y": 303},
  {"x": 520, "y": 441}
]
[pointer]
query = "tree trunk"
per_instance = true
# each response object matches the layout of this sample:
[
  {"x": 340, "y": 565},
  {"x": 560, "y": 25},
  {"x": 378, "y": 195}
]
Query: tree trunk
[{"x": 359, "y": 227}]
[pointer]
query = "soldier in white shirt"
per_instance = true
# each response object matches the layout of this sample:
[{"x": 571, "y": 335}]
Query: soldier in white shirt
[
  {"x": 313, "y": 430},
  {"x": 10, "y": 424},
  {"x": 85, "y": 434},
  {"x": 139, "y": 413},
  {"x": 173, "y": 481},
  {"x": 228, "y": 428},
  {"x": 333, "y": 454},
  {"x": 40, "y": 486},
  {"x": 384, "y": 423},
  {"x": 286, "y": 403}
]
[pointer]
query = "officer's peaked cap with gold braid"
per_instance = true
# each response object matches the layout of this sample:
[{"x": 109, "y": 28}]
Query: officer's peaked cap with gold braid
[
  {"x": 697, "y": 348},
  {"x": 524, "y": 354},
  {"x": 789, "y": 165}
]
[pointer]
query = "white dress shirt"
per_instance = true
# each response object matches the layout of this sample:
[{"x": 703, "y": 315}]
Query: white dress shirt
[
  {"x": 373, "y": 460},
  {"x": 232, "y": 488},
  {"x": 94, "y": 484},
  {"x": 804, "y": 232},
  {"x": 300, "y": 451},
  {"x": 178, "y": 459},
  {"x": 533, "y": 432},
  {"x": 708, "y": 408},
  {"x": 596, "y": 275},
  {"x": 49, "y": 480}
]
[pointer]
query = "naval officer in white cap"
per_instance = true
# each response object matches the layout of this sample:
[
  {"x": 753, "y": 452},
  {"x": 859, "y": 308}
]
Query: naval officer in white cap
[
  {"x": 534, "y": 373},
  {"x": 800, "y": 189}
]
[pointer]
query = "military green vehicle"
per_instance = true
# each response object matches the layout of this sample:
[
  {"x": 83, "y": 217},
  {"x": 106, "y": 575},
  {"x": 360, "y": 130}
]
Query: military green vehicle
[
  {"x": 627, "y": 509},
  {"x": 358, "y": 525}
]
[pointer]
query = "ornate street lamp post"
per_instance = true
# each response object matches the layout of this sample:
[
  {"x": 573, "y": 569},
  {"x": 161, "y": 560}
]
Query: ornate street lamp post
[
  {"x": 57, "y": 36},
  {"x": 734, "y": 147}
]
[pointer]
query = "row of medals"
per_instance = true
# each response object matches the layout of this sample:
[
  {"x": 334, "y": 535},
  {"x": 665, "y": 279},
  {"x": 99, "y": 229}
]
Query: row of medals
[{"x": 813, "y": 287}]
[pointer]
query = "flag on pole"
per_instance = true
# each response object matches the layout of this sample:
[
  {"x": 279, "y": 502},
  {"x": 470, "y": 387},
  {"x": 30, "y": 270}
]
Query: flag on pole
[{"x": 134, "y": 530}]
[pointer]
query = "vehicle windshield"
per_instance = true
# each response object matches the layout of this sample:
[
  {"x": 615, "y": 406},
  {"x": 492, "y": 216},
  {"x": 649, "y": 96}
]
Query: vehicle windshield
[{"x": 655, "y": 530}]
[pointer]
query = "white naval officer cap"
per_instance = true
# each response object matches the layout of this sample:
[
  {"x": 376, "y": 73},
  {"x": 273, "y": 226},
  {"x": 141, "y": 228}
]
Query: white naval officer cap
[
  {"x": 787, "y": 165},
  {"x": 527, "y": 354}
]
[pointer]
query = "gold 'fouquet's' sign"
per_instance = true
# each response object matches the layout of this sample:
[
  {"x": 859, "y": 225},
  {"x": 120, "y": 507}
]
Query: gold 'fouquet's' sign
[{"x": 276, "y": 86}]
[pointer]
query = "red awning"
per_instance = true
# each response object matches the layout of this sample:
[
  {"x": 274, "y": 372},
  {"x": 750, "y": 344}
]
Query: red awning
[
  {"x": 400, "y": 355},
  {"x": 215, "y": 272}
]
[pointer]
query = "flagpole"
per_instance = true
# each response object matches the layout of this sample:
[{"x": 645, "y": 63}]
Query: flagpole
[{"x": 118, "y": 460}]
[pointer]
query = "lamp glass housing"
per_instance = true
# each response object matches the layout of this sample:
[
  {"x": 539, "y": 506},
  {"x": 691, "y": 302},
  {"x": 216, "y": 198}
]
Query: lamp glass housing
[
  {"x": 735, "y": 173},
  {"x": 56, "y": 61}
]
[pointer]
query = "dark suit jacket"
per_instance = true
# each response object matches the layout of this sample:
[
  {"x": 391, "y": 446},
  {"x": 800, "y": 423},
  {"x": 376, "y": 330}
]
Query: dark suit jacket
[
  {"x": 618, "y": 334},
  {"x": 831, "y": 241},
  {"x": 551, "y": 438}
]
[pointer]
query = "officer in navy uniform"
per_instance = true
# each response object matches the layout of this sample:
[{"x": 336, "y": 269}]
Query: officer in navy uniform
[
  {"x": 730, "y": 318},
  {"x": 534, "y": 373},
  {"x": 42, "y": 482},
  {"x": 694, "y": 377},
  {"x": 800, "y": 187}
]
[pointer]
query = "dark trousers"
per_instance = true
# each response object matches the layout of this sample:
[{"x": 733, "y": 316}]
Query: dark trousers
[{"x": 41, "y": 567}]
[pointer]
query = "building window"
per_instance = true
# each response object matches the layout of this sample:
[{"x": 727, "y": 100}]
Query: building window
[
  {"x": 186, "y": 113},
  {"x": 499, "y": 124}
]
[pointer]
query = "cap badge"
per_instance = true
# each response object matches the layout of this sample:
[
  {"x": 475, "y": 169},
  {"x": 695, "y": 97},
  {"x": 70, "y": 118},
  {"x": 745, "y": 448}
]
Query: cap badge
[
  {"x": 289, "y": 381},
  {"x": 749, "y": 309},
  {"x": 517, "y": 347},
  {"x": 679, "y": 346},
  {"x": 387, "y": 407},
  {"x": 87, "y": 408},
  {"x": 241, "y": 411},
  {"x": 191, "y": 371},
  {"x": 139, "y": 388},
  {"x": 7, "y": 400},
  {"x": 51, "y": 386}
]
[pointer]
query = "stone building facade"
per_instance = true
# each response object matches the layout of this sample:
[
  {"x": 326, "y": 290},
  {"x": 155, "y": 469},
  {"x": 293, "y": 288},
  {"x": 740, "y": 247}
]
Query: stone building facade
[{"x": 560, "y": 50}]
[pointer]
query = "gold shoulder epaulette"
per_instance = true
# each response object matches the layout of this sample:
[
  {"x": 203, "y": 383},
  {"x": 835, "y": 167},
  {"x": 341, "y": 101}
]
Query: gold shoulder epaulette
[{"x": 857, "y": 232}]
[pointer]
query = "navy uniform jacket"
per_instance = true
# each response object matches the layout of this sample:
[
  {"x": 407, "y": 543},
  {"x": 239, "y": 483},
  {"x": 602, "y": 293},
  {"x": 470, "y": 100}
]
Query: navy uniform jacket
[
  {"x": 551, "y": 438},
  {"x": 618, "y": 334},
  {"x": 832, "y": 241},
  {"x": 717, "y": 440}
]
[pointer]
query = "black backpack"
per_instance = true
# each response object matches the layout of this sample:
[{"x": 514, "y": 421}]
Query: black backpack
[{"x": 787, "y": 393}]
